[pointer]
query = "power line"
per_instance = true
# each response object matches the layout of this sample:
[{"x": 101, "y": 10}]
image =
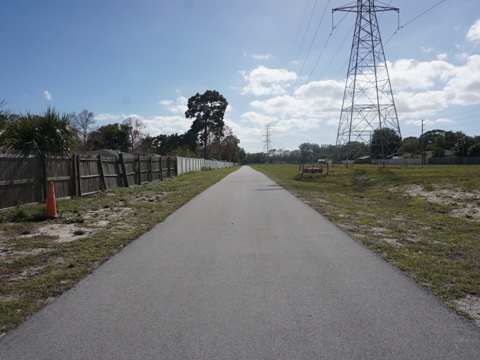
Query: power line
[
  {"x": 412, "y": 20},
  {"x": 298, "y": 34},
  {"x": 306, "y": 30},
  {"x": 313, "y": 41}
]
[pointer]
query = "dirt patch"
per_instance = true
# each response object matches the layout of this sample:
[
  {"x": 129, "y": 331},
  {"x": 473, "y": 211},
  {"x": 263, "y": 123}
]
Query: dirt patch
[
  {"x": 470, "y": 305},
  {"x": 61, "y": 232},
  {"x": 466, "y": 204}
]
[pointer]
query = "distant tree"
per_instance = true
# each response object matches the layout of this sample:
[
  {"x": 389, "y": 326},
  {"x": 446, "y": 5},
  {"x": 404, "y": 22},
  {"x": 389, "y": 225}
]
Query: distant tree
[
  {"x": 146, "y": 146},
  {"x": 207, "y": 110},
  {"x": 309, "y": 152},
  {"x": 136, "y": 126},
  {"x": 112, "y": 136},
  {"x": 179, "y": 145},
  {"x": 430, "y": 137},
  {"x": 474, "y": 150},
  {"x": 450, "y": 138},
  {"x": 412, "y": 145},
  {"x": 82, "y": 122},
  {"x": 229, "y": 145},
  {"x": 256, "y": 158},
  {"x": 462, "y": 145},
  {"x": 438, "y": 152},
  {"x": 294, "y": 156},
  {"x": 49, "y": 133},
  {"x": 240, "y": 156},
  {"x": 385, "y": 142},
  {"x": 351, "y": 150},
  {"x": 189, "y": 141}
]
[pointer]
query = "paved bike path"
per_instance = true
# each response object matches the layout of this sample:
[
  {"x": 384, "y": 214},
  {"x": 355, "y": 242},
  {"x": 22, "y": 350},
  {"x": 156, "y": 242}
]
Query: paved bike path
[{"x": 244, "y": 271}]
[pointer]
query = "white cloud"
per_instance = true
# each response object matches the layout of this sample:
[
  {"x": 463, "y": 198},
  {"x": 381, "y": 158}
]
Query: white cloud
[
  {"x": 47, "y": 95},
  {"x": 275, "y": 106},
  {"x": 179, "y": 106},
  {"x": 473, "y": 34},
  {"x": 163, "y": 124},
  {"x": 107, "y": 117},
  {"x": 167, "y": 125},
  {"x": 464, "y": 87},
  {"x": 257, "y": 56},
  {"x": 444, "y": 121},
  {"x": 265, "y": 81},
  {"x": 322, "y": 95},
  {"x": 427, "y": 123},
  {"x": 420, "y": 103},
  {"x": 261, "y": 56},
  {"x": 256, "y": 118},
  {"x": 412, "y": 74}
]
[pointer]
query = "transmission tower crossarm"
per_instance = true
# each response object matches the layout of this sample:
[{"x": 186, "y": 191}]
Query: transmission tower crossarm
[{"x": 355, "y": 8}]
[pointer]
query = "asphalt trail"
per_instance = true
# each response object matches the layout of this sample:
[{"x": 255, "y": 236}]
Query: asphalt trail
[{"x": 244, "y": 271}]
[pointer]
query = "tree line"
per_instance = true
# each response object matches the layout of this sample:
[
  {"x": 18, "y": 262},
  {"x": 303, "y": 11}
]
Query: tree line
[
  {"x": 52, "y": 132},
  {"x": 437, "y": 143}
]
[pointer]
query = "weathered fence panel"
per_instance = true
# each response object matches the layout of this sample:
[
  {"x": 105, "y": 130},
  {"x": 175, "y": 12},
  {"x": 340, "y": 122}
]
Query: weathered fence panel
[
  {"x": 112, "y": 172},
  {"x": 89, "y": 175},
  {"x": 144, "y": 174},
  {"x": 59, "y": 170},
  {"x": 20, "y": 180},
  {"x": 130, "y": 170}
]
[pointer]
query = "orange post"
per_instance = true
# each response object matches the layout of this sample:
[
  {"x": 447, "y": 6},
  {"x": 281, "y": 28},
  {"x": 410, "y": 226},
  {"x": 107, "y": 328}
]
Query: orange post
[{"x": 51, "y": 211}]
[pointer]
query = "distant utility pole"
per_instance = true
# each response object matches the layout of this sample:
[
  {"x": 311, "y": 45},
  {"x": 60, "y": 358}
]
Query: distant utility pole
[
  {"x": 423, "y": 146},
  {"x": 267, "y": 144},
  {"x": 368, "y": 107}
]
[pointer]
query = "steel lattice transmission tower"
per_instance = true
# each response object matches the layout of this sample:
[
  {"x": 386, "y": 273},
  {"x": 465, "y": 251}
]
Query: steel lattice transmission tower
[
  {"x": 267, "y": 144},
  {"x": 368, "y": 111}
]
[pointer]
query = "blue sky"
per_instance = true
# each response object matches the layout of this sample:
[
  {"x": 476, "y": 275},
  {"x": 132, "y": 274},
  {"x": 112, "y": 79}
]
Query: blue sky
[{"x": 145, "y": 58}]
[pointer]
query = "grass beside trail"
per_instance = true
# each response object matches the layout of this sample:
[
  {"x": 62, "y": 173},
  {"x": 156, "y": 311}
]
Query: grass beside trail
[
  {"x": 35, "y": 267},
  {"x": 422, "y": 219}
]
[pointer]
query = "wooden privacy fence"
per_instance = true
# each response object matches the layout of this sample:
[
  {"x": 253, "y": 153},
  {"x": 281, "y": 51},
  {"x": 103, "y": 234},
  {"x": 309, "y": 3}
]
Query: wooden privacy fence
[
  {"x": 100, "y": 173},
  {"x": 25, "y": 180}
]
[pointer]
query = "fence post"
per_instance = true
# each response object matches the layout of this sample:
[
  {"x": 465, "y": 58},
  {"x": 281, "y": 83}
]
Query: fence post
[
  {"x": 102, "y": 174},
  {"x": 168, "y": 167},
  {"x": 161, "y": 170},
  {"x": 138, "y": 169},
  {"x": 79, "y": 177},
  {"x": 150, "y": 169},
  {"x": 74, "y": 175},
  {"x": 124, "y": 172}
]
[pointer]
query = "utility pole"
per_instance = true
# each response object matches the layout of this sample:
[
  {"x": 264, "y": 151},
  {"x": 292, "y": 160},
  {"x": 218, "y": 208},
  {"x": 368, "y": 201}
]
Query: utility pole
[
  {"x": 368, "y": 105},
  {"x": 267, "y": 144},
  {"x": 423, "y": 146}
]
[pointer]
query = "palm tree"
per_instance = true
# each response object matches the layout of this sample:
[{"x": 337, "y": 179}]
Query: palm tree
[
  {"x": 4, "y": 116},
  {"x": 49, "y": 133}
]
